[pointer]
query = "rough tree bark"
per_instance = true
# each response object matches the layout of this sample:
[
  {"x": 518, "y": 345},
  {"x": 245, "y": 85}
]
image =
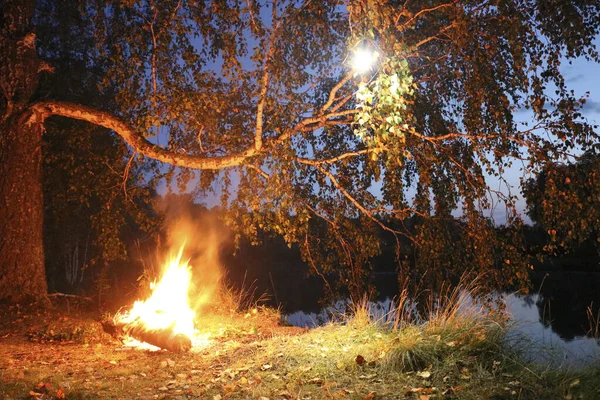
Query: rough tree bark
[{"x": 22, "y": 272}]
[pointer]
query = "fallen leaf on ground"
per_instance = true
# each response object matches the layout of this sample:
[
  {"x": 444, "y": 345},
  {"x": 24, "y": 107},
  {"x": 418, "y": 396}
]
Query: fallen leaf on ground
[
  {"x": 574, "y": 383},
  {"x": 465, "y": 374},
  {"x": 370, "y": 376},
  {"x": 316, "y": 381},
  {"x": 360, "y": 360},
  {"x": 424, "y": 374},
  {"x": 44, "y": 385},
  {"x": 452, "y": 390},
  {"x": 266, "y": 367},
  {"x": 412, "y": 390}
]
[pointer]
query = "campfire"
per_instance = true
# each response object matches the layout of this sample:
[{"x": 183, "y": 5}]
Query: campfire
[{"x": 164, "y": 320}]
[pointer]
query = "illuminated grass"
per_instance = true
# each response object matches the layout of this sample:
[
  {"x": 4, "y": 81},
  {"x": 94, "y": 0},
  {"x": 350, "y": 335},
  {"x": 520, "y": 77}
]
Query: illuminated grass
[{"x": 457, "y": 351}]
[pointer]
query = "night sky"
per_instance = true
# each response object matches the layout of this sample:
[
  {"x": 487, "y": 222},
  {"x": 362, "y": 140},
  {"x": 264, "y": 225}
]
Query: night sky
[{"x": 580, "y": 75}]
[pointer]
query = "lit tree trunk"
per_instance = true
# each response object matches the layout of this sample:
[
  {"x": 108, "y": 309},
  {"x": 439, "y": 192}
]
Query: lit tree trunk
[{"x": 22, "y": 271}]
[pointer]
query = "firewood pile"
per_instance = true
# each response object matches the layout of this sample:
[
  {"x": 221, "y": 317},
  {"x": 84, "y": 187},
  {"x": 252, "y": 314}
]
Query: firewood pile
[{"x": 164, "y": 338}]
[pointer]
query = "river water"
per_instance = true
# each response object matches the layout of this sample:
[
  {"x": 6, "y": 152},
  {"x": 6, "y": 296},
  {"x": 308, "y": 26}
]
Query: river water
[{"x": 551, "y": 325}]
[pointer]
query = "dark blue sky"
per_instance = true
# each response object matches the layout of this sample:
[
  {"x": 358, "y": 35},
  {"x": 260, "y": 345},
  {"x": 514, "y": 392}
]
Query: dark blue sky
[{"x": 581, "y": 75}]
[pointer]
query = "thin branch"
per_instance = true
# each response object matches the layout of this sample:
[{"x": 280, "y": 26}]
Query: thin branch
[
  {"x": 352, "y": 200},
  {"x": 455, "y": 135},
  {"x": 332, "y": 160},
  {"x": 342, "y": 102},
  {"x": 70, "y": 296},
  {"x": 252, "y": 16},
  {"x": 262, "y": 97},
  {"x": 430, "y": 38},
  {"x": 311, "y": 128},
  {"x": 126, "y": 174},
  {"x": 314, "y": 123},
  {"x": 335, "y": 89},
  {"x": 154, "y": 44},
  {"x": 259, "y": 170},
  {"x": 312, "y": 263},
  {"x": 420, "y": 13}
]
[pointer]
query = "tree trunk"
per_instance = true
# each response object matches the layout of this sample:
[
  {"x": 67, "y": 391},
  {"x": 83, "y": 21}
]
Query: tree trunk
[{"x": 22, "y": 271}]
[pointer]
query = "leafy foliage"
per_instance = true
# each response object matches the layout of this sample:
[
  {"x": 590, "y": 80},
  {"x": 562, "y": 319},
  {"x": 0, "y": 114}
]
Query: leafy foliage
[
  {"x": 564, "y": 200},
  {"x": 259, "y": 97},
  {"x": 382, "y": 105},
  {"x": 96, "y": 195},
  {"x": 420, "y": 136}
]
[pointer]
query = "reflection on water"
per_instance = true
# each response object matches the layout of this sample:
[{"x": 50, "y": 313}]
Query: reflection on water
[
  {"x": 533, "y": 326},
  {"x": 550, "y": 325}
]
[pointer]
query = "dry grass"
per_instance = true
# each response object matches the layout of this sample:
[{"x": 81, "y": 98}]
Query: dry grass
[
  {"x": 454, "y": 350},
  {"x": 594, "y": 322}
]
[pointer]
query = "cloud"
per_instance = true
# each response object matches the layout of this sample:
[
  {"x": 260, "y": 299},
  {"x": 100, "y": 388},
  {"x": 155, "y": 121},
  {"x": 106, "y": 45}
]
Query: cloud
[
  {"x": 575, "y": 78},
  {"x": 591, "y": 107}
]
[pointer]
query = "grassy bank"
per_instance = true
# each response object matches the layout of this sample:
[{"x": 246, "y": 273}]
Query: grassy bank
[{"x": 456, "y": 352}]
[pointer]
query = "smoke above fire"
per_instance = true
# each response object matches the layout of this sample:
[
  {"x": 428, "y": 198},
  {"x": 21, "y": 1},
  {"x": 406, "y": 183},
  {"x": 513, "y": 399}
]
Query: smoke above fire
[
  {"x": 201, "y": 236},
  {"x": 188, "y": 280}
]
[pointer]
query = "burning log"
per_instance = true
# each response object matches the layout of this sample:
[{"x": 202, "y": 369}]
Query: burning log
[
  {"x": 165, "y": 319},
  {"x": 164, "y": 338}
]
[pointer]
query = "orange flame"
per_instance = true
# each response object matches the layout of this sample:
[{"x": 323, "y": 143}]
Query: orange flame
[{"x": 168, "y": 306}]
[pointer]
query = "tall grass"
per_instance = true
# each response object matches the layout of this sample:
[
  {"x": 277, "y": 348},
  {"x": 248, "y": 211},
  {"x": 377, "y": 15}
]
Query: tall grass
[
  {"x": 594, "y": 322},
  {"x": 448, "y": 326}
]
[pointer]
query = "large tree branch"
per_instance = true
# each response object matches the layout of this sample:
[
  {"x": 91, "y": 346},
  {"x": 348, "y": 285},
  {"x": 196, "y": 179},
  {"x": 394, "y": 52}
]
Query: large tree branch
[
  {"x": 138, "y": 142},
  {"x": 43, "y": 109}
]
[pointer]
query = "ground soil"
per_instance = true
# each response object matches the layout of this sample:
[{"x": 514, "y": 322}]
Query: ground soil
[{"x": 63, "y": 353}]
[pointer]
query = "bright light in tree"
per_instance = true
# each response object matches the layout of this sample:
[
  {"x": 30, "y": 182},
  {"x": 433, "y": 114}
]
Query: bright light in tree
[{"x": 364, "y": 60}]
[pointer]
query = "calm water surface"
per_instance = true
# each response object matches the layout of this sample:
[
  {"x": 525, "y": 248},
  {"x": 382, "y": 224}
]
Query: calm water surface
[{"x": 550, "y": 325}]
